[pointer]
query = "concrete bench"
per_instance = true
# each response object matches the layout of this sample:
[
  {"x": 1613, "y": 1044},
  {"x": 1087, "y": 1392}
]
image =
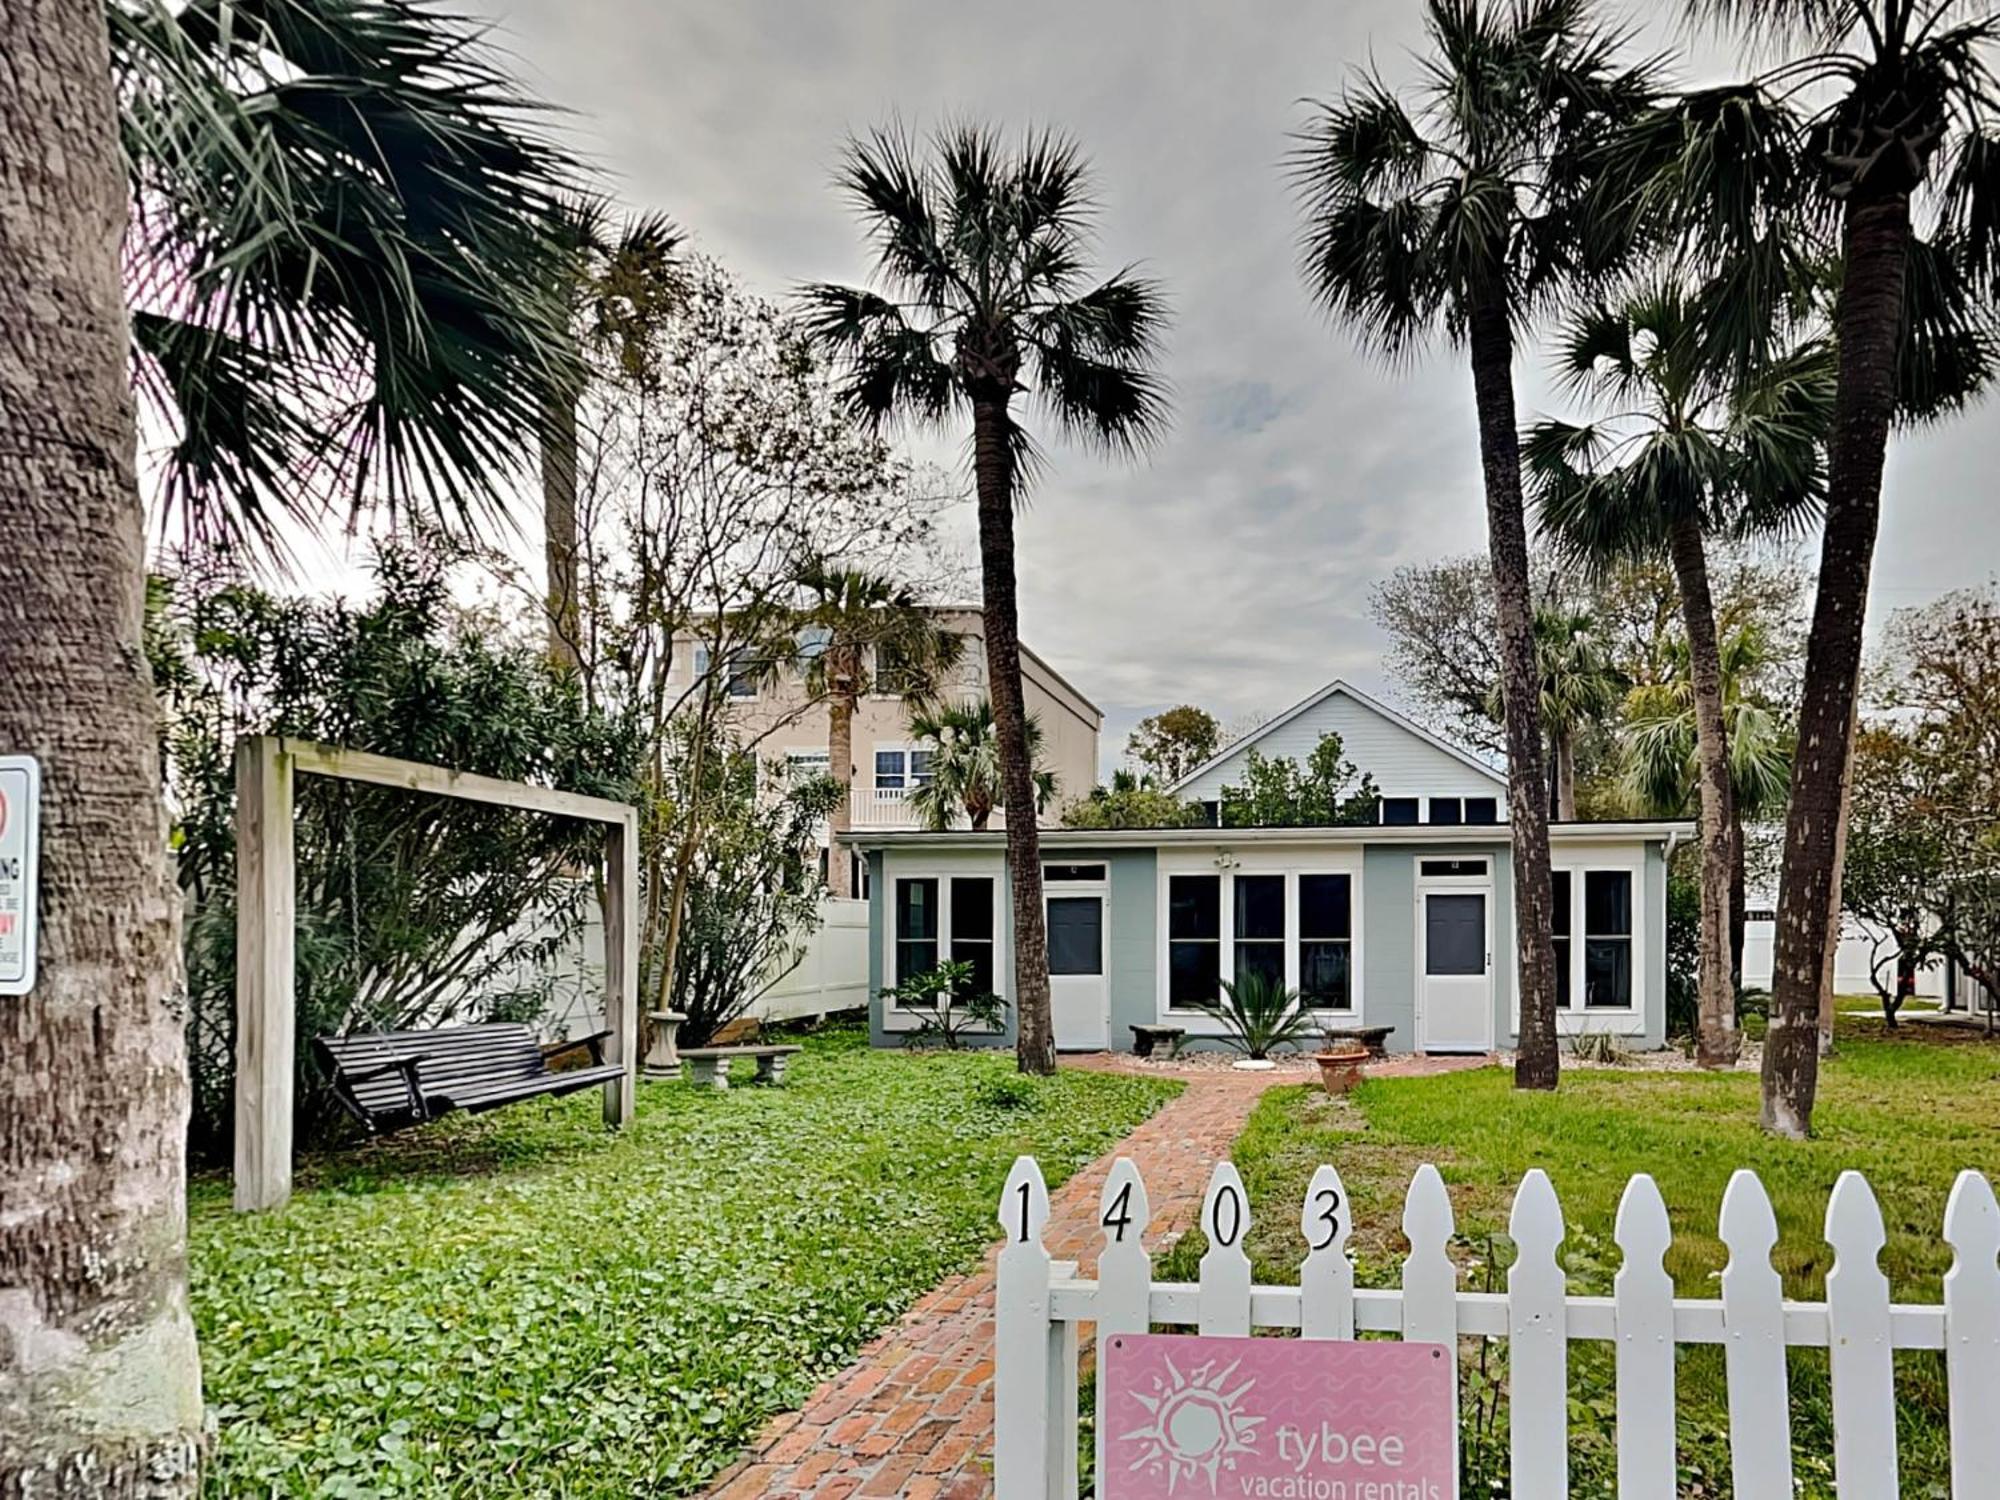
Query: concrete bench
[
  {"x": 1146, "y": 1038},
  {"x": 1374, "y": 1038},
  {"x": 708, "y": 1067}
]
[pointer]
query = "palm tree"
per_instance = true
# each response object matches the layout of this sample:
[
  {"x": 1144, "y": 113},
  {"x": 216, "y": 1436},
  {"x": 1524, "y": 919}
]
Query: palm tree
[
  {"x": 339, "y": 285},
  {"x": 1662, "y": 765},
  {"x": 981, "y": 255},
  {"x": 860, "y": 633},
  {"x": 1579, "y": 689},
  {"x": 1909, "y": 123},
  {"x": 1467, "y": 210},
  {"x": 621, "y": 277},
  {"x": 93, "y": 1081},
  {"x": 1685, "y": 452},
  {"x": 965, "y": 766},
  {"x": 344, "y": 287}
]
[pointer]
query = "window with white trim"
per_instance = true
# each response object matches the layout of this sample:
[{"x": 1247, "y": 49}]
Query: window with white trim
[
  {"x": 742, "y": 683},
  {"x": 945, "y": 917},
  {"x": 1194, "y": 940},
  {"x": 1607, "y": 939},
  {"x": 1448, "y": 810},
  {"x": 802, "y": 766},
  {"x": 900, "y": 770},
  {"x": 1326, "y": 941},
  {"x": 1560, "y": 923},
  {"x": 970, "y": 923},
  {"x": 1259, "y": 928},
  {"x": 917, "y": 925}
]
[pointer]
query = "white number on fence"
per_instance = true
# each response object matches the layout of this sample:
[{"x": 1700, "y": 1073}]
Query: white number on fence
[{"x": 1042, "y": 1305}]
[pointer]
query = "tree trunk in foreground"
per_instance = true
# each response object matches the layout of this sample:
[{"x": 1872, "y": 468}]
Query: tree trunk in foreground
[
  {"x": 1835, "y": 904},
  {"x": 994, "y": 469},
  {"x": 1565, "y": 777},
  {"x": 559, "y": 461},
  {"x": 100, "y": 1383},
  {"x": 840, "y": 765},
  {"x": 1868, "y": 325},
  {"x": 1717, "y": 1042},
  {"x": 1537, "y": 1063}
]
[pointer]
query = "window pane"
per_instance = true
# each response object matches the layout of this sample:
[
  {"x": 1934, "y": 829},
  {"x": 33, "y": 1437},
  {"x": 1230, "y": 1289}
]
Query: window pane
[
  {"x": 1399, "y": 811},
  {"x": 1563, "y": 986},
  {"x": 1194, "y": 906},
  {"x": 1323, "y": 975},
  {"x": 1194, "y": 973},
  {"x": 1454, "y": 934},
  {"x": 1446, "y": 810},
  {"x": 920, "y": 767},
  {"x": 1072, "y": 872},
  {"x": 1266, "y": 959},
  {"x": 889, "y": 768},
  {"x": 1559, "y": 890},
  {"x": 1324, "y": 907},
  {"x": 1482, "y": 810},
  {"x": 980, "y": 955},
  {"x": 1473, "y": 867},
  {"x": 1607, "y": 972},
  {"x": 1260, "y": 906},
  {"x": 914, "y": 958},
  {"x": 1607, "y": 903},
  {"x": 916, "y": 909},
  {"x": 1076, "y": 935},
  {"x": 971, "y": 907}
]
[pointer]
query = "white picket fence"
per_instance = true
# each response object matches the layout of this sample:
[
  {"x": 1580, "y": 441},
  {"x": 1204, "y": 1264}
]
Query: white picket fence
[{"x": 1041, "y": 1304}]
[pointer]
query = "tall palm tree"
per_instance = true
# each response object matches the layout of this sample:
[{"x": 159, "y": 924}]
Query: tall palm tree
[
  {"x": 1661, "y": 752},
  {"x": 861, "y": 633},
  {"x": 983, "y": 295},
  {"x": 345, "y": 290},
  {"x": 1895, "y": 181},
  {"x": 1579, "y": 688},
  {"x": 1685, "y": 451},
  {"x": 620, "y": 278},
  {"x": 965, "y": 766},
  {"x": 100, "y": 1382},
  {"x": 1466, "y": 210}
]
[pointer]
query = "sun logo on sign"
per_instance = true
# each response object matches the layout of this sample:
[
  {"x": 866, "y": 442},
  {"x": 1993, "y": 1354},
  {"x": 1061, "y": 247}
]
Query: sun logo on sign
[{"x": 1198, "y": 1426}]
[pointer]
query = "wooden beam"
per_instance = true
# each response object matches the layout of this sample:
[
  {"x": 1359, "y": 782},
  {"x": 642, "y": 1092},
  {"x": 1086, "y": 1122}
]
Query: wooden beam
[
  {"x": 415, "y": 776},
  {"x": 265, "y": 1019},
  {"x": 621, "y": 964}
]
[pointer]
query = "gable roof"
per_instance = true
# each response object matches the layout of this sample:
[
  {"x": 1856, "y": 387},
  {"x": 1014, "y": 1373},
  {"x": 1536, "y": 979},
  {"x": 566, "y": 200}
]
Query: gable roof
[{"x": 1364, "y": 700}]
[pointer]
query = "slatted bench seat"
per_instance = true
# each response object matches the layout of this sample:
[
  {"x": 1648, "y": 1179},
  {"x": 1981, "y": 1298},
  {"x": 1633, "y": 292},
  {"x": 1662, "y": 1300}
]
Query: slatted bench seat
[
  {"x": 708, "y": 1067},
  {"x": 389, "y": 1080}
]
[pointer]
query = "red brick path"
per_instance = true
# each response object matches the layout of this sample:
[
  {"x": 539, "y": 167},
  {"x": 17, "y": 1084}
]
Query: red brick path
[{"x": 913, "y": 1416}]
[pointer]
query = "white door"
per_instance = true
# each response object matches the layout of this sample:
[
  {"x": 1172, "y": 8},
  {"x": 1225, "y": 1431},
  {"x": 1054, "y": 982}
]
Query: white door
[
  {"x": 1079, "y": 998},
  {"x": 1456, "y": 945}
]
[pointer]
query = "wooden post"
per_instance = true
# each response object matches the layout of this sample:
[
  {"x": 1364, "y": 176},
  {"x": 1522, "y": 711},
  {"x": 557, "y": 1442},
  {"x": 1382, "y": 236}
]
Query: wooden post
[
  {"x": 264, "y": 1004},
  {"x": 621, "y": 964}
]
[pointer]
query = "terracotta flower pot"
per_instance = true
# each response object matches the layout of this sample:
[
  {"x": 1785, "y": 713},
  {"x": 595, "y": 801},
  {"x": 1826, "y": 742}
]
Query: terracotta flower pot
[{"x": 1340, "y": 1066}]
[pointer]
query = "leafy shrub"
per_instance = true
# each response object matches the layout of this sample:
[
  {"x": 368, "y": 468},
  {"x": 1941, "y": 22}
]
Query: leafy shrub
[
  {"x": 1683, "y": 951},
  {"x": 948, "y": 1008},
  {"x": 1259, "y": 1014},
  {"x": 412, "y": 910},
  {"x": 1007, "y": 1091}
]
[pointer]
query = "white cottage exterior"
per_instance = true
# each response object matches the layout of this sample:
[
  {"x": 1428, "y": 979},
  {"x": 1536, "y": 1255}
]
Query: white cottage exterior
[{"x": 1407, "y": 923}]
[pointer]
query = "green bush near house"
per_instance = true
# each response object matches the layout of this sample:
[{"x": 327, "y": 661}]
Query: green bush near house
[
  {"x": 1908, "y": 1114},
  {"x": 522, "y": 1304}
]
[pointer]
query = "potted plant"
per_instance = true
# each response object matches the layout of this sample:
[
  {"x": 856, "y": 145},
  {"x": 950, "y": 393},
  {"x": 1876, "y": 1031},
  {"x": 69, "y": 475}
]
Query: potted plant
[
  {"x": 1258, "y": 1015},
  {"x": 1340, "y": 1059}
]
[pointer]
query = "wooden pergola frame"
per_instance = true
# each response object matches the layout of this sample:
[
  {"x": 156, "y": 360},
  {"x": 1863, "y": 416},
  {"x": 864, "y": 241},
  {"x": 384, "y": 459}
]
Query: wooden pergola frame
[{"x": 266, "y": 1010}]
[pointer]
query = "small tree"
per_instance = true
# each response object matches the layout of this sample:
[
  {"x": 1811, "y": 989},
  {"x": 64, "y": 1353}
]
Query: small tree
[
  {"x": 1326, "y": 792},
  {"x": 1898, "y": 858},
  {"x": 965, "y": 775},
  {"x": 1171, "y": 743},
  {"x": 1127, "y": 804}
]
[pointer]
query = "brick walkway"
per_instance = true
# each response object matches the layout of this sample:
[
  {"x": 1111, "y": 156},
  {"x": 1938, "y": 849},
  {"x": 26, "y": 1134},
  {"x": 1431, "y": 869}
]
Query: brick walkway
[{"x": 913, "y": 1416}]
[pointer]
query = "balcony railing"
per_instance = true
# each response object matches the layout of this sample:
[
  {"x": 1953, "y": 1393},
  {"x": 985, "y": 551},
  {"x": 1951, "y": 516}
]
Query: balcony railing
[{"x": 882, "y": 807}]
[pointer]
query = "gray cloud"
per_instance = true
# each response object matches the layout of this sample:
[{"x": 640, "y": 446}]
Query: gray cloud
[{"x": 1232, "y": 568}]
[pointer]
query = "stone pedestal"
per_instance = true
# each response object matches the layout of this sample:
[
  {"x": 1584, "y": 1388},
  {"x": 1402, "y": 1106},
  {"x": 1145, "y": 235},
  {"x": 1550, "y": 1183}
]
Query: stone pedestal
[{"x": 663, "y": 1058}]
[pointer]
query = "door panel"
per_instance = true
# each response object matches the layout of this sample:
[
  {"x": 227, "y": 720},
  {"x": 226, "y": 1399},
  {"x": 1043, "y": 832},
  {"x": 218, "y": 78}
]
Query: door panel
[
  {"x": 1079, "y": 999},
  {"x": 1457, "y": 973}
]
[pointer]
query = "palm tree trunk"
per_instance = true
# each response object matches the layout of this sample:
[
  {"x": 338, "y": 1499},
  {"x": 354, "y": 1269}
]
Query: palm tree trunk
[
  {"x": 993, "y": 460},
  {"x": 1537, "y": 1063},
  {"x": 840, "y": 765},
  {"x": 1565, "y": 778},
  {"x": 1868, "y": 325},
  {"x": 559, "y": 463},
  {"x": 1835, "y": 906},
  {"x": 1738, "y": 893},
  {"x": 1717, "y": 1042},
  {"x": 100, "y": 1381}
]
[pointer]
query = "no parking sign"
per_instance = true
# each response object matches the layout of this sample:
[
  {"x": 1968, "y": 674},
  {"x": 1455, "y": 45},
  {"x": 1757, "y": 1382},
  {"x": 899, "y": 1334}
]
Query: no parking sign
[{"x": 20, "y": 841}]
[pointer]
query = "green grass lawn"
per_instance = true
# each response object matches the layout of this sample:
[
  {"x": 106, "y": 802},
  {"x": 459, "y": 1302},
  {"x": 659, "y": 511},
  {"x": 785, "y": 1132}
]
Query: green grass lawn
[
  {"x": 1908, "y": 1113},
  {"x": 523, "y": 1304}
]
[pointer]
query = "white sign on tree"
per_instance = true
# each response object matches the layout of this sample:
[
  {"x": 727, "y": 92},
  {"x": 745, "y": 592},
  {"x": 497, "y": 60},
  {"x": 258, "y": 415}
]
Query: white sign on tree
[{"x": 20, "y": 817}]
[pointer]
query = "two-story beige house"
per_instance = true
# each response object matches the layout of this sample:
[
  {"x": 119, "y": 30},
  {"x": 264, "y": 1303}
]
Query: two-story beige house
[{"x": 778, "y": 715}]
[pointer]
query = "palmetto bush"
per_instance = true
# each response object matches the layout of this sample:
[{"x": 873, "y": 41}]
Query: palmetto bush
[{"x": 1259, "y": 1015}]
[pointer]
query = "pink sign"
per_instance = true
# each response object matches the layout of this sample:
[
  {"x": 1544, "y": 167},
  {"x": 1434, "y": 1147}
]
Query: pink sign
[{"x": 1277, "y": 1419}]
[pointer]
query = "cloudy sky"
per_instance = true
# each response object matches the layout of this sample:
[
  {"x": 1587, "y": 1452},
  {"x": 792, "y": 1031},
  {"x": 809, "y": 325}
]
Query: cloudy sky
[{"x": 1232, "y": 567}]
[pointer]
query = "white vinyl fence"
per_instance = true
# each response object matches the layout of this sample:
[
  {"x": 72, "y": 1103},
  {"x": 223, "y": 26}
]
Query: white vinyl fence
[{"x": 1041, "y": 1304}]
